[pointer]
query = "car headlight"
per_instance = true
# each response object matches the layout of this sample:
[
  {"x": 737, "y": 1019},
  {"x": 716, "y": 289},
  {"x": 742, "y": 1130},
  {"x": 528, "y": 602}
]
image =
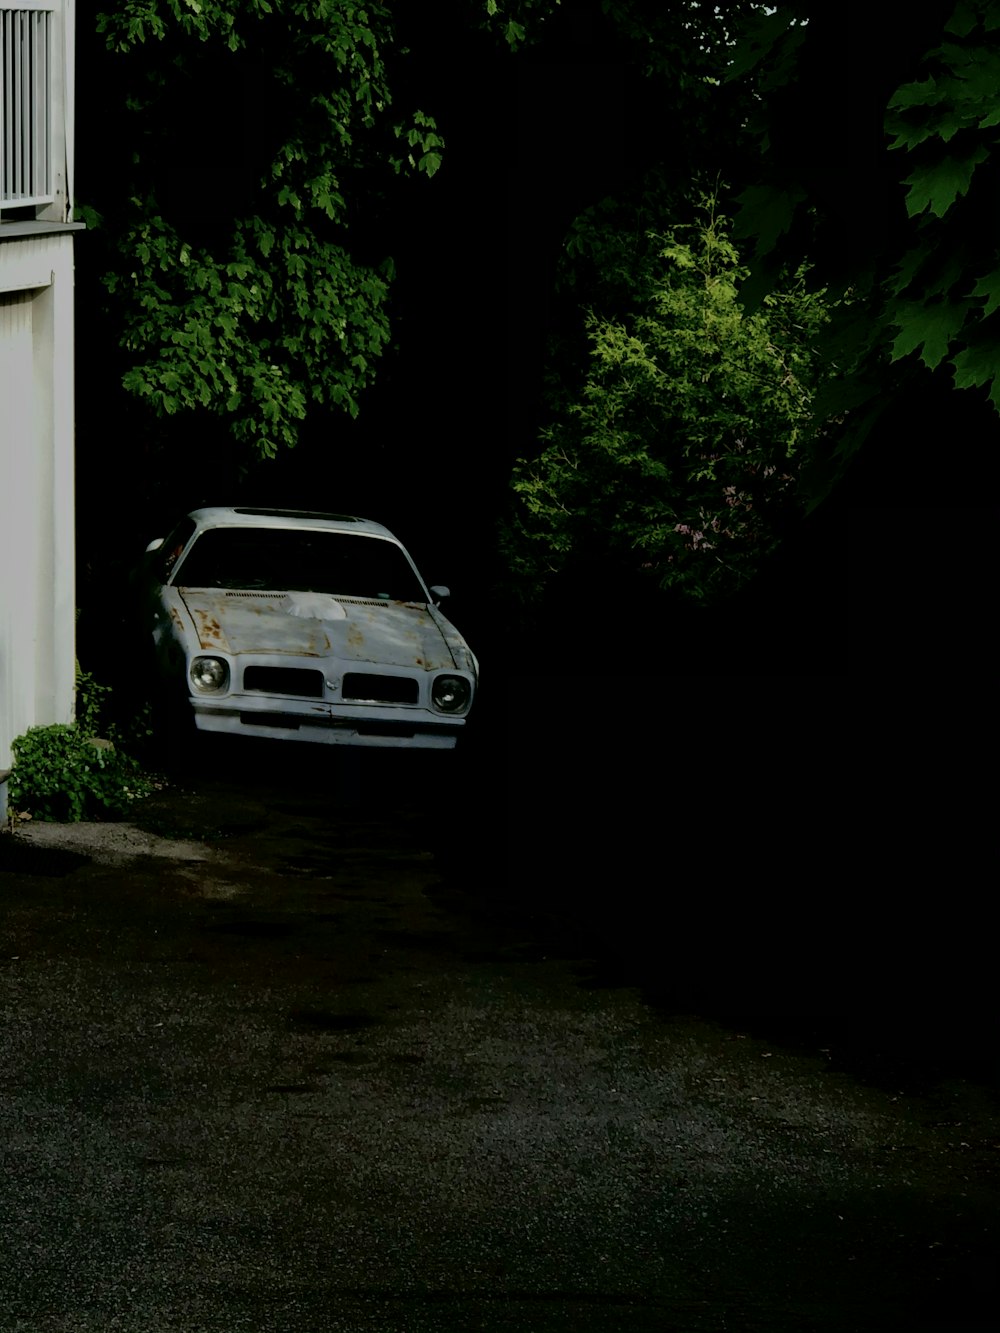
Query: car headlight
[
  {"x": 209, "y": 674},
  {"x": 451, "y": 694}
]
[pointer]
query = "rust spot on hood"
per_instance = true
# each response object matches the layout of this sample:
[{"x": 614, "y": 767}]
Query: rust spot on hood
[{"x": 209, "y": 630}]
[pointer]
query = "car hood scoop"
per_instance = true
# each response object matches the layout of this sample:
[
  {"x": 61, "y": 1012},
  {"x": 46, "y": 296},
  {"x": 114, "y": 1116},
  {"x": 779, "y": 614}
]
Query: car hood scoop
[{"x": 310, "y": 624}]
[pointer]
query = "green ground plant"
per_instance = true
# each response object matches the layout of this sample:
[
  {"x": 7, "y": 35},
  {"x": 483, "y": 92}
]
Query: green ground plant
[{"x": 66, "y": 772}]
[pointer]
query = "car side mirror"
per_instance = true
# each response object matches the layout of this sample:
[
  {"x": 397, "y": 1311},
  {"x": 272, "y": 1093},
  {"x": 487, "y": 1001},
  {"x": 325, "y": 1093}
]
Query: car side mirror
[
  {"x": 155, "y": 545},
  {"x": 439, "y": 592}
]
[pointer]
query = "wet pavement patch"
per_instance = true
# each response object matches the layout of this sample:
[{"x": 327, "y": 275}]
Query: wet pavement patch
[
  {"x": 254, "y": 930},
  {"x": 430, "y": 941},
  {"x": 320, "y": 865},
  {"x": 200, "y": 815},
  {"x": 322, "y": 1020},
  {"x": 521, "y": 951},
  {"x": 180, "y": 830}
]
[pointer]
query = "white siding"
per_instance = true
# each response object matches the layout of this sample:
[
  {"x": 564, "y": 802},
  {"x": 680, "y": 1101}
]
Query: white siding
[
  {"x": 37, "y": 572},
  {"x": 18, "y": 630}
]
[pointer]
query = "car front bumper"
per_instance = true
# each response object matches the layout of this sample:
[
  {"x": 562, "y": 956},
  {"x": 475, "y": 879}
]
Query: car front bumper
[{"x": 327, "y": 723}]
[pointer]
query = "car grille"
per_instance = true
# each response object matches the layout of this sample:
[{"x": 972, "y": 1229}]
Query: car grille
[
  {"x": 380, "y": 689},
  {"x": 307, "y": 684}
]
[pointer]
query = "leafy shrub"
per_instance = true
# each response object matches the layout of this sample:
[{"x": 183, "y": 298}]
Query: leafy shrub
[
  {"x": 91, "y": 702},
  {"x": 679, "y": 458},
  {"x": 65, "y": 772},
  {"x": 100, "y": 711},
  {"x": 61, "y": 773}
]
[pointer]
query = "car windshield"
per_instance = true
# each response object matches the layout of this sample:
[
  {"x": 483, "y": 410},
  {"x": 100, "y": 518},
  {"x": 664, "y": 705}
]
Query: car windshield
[{"x": 347, "y": 564}]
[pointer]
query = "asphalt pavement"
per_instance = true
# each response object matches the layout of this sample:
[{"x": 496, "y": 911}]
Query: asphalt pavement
[{"x": 270, "y": 1060}]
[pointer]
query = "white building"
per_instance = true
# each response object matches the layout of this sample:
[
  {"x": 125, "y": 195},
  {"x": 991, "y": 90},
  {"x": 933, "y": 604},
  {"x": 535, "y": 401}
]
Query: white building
[{"x": 37, "y": 573}]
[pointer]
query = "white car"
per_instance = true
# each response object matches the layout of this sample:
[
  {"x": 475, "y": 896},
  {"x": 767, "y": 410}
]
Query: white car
[{"x": 315, "y": 627}]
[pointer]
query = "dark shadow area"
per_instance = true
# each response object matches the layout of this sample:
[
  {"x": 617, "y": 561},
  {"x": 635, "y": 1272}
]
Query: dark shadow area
[
  {"x": 912, "y": 1051},
  {"x": 923, "y": 581},
  {"x": 21, "y": 858}
]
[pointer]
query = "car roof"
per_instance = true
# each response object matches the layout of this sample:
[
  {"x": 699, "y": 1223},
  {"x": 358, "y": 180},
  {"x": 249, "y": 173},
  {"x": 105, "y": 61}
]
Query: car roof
[{"x": 245, "y": 516}]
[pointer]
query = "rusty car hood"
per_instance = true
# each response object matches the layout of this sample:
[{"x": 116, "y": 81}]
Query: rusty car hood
[{"x": 304, "y": 624}]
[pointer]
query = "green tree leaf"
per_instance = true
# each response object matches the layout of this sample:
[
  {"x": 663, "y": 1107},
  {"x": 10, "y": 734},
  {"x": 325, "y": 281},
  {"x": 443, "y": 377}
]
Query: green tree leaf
[
  {"x": 765, "y": 213},
  {"x": 989, "y": 287},
  {"x": 937, "y": 185},
  {"x": 963, "y": 20},
  {"x": 977, "y": 365},
  {"x": 929, "y": 327},
  {"x": 923, "y": 93}
]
